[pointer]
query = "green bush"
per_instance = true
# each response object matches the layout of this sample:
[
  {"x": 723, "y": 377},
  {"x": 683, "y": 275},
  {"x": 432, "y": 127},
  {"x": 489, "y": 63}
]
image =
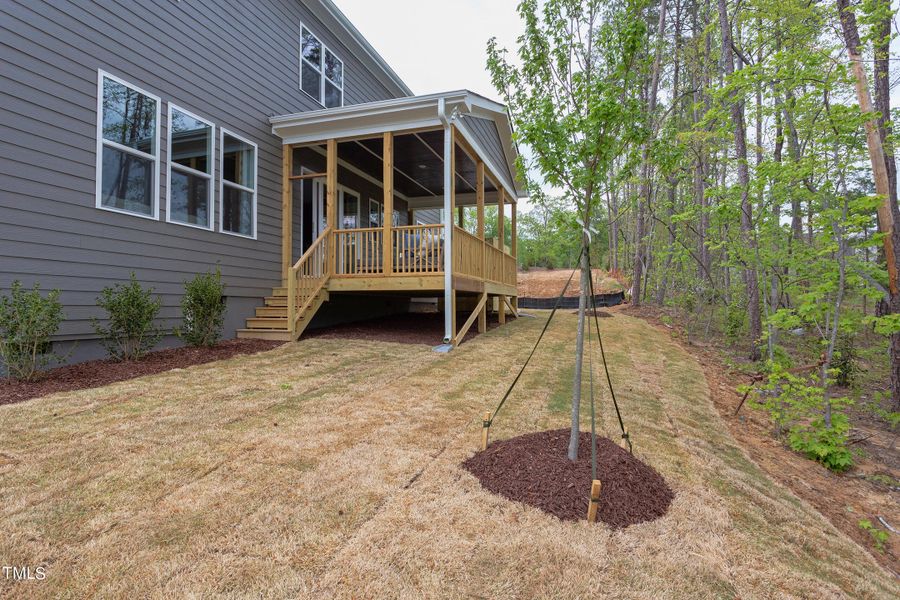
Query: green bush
[
  {"x": 827, "y": 445},
  {"x": 27, "y": 320},
  {"x": 131, "y": 311},
  {"x": 846, "y": 361},
  {"x": 203, "y": 309}
]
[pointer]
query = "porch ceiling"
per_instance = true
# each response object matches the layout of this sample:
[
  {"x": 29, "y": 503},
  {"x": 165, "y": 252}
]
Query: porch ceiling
[{"x": 418, "y": 146}]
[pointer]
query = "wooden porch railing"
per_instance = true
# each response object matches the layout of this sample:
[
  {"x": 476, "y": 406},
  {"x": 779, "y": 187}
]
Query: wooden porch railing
[
  {"x": 307, "y": 278},
  {"x": 418, "y": 249},
  {"x": 358, "y": 251},
  {"x": 415, "y": 250},
  {"x": 468, "y": 253}
]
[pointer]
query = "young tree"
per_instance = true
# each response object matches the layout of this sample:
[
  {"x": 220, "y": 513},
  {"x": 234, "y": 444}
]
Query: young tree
[{"x": 572, "y": 95}]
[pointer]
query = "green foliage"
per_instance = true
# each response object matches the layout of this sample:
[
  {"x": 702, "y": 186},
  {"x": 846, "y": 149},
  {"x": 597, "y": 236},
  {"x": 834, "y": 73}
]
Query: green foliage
[
  {"x": 203, "y": 309},
  {"x": 735, "y": 322},
  {"x": 846, "y": 360},
  {"x": 879, "y": 536},
  {"x": 798, "y": 408},
  {"x": 130, "y": 331},
  {"x": 827, "y": 445},
  {"x": 27, "y": 321}
]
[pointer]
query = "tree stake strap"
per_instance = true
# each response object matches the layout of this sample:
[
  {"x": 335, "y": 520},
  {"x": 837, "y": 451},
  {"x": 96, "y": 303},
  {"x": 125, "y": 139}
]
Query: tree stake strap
[{"x": 488, "y": 422}]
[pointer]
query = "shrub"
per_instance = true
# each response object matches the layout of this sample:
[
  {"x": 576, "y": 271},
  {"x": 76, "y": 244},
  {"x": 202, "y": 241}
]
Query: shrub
[
  {"x": 797, "y": 407},
  {"x": 203, "y": 309},
  {"x": 131, "y": 310},
  {"x": 846, "y": 361},
  {"x": 27, "y": 320},
  {"x": 828, "y": 445}
]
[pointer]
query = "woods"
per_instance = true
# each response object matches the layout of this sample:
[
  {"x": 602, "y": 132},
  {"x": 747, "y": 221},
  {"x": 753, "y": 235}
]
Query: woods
[{"x": 730, "y": 159}]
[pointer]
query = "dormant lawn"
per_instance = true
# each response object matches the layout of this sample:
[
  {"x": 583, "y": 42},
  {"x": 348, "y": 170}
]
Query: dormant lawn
[{"x": 330, "y": 468}]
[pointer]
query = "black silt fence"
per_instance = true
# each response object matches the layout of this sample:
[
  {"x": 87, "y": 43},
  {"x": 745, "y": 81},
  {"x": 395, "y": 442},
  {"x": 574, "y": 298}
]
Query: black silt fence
[{"x": 572, "y": 301}]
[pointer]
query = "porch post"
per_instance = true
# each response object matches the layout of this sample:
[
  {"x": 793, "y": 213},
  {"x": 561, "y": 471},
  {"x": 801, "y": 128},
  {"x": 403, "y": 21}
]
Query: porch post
[
  {"x": 387, "y": 221},
  {"x": 461, "y": 217},
  {"x": 449, "y": 201},
  {"x": 286, "y": 213},
  {"x": 479, "y": 230},
  {"x": 331, "y": 195}
]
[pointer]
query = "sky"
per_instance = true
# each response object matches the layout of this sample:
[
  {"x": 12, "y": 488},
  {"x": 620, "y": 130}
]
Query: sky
[
  {"x": 441, "y": 46},
  {"x": 436, "y": 46}
]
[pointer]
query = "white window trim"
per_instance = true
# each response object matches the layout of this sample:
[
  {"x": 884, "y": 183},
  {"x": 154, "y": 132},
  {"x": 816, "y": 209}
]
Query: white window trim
[
  {"x": 380, "y": 211},
  {"x": 320, "y": 69},
  {"x": 222, "y": 133},
  {"x": 98, "y": 197},
  {"x": 208, "y": 176}
]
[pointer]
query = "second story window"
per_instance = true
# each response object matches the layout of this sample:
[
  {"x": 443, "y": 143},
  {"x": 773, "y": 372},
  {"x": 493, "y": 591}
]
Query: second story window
[{"x": 321, "y": 72}]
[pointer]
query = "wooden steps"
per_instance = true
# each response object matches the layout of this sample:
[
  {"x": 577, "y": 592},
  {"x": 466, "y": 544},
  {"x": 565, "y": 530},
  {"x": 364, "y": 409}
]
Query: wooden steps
[{"x": 270, "y": 320}]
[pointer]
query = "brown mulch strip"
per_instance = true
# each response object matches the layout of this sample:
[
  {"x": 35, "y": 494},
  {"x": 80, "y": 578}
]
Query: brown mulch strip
[
  {"x": 407, "y": 328},
  {"x": 534, "y": 469},
  {"x": 96, "y": 373}
]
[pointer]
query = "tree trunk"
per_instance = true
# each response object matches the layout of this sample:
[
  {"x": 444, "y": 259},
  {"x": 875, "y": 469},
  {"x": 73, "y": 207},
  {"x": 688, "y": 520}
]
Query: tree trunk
[
  {"x": 644, "y": 200},
  {"x": 887, "y": 211},
  {"x": 751, "y": 282},
  {"x": 579, "y": 341}
]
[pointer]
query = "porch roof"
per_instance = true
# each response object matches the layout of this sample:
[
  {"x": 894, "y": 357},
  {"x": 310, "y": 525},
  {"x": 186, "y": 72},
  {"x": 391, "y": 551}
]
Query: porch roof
[{"x": 406, "y": 114}]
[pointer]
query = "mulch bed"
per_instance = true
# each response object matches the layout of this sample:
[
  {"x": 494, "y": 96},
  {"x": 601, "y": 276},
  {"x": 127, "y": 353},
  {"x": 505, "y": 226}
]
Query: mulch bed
[
  {"x": 96, "y": 373},
  {"x": 534, "y": 469},
  {"x": 407, "y": 328}
]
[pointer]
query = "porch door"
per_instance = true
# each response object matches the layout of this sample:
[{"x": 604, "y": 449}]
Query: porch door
[{"x": 311, "y": 219}]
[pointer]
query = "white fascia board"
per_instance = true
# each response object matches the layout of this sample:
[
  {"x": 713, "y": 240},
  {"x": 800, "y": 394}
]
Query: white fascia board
[{"x": 358, "y": 120}]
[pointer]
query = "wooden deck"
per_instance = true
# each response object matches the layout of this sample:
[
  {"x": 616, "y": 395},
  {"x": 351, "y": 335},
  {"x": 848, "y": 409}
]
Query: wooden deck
[{"x": 405, "y": 259}]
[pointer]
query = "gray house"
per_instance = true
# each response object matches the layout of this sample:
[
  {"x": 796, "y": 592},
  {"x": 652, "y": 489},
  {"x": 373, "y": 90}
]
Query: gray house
[{"x": 267, "y": 138}]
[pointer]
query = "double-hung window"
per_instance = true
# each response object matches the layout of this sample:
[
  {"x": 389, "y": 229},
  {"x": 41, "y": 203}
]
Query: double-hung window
[
  {"x": 321, "y": 72},
  {"x": 238, "y": 164},
  {"x": 191, "y": 151},
  {"x": 127, "y": 148}
]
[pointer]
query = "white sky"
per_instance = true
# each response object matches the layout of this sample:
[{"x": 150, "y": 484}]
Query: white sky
[{"x": 436, "y": 46}]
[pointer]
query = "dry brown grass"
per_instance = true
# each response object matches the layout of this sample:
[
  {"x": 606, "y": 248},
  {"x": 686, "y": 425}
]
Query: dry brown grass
[{"x": 330, "y": 468}]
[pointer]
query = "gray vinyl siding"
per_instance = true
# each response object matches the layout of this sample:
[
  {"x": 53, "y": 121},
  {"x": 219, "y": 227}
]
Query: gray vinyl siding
[
  {"x": 232, "y": 62},
  {"x": 428, "y": 215},
  {"x": 485, "y": 133}
]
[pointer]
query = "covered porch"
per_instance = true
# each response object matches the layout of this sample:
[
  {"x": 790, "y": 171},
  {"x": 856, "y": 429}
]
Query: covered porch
[{"x": 390, "y": 197}]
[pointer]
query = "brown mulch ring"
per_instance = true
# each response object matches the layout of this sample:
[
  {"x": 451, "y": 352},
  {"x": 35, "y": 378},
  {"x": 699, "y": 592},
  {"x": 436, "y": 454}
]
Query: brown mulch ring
[
  {"x": 534, "y": 469},
  {"x": 96, "y": 373},
  {"x": 407, "y": 328}
]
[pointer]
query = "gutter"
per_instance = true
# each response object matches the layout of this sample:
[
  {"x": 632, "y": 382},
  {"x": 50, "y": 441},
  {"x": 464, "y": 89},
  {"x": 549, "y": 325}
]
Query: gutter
[{"x": 448, "y": 224}]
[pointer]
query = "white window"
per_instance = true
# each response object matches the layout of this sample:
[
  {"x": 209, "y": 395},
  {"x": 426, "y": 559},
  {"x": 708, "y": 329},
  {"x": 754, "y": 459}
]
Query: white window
[
  {"x": 321, "y": 72},
  {"x": 237, "y": 214},
  {"x": 127, "y": 148},
  {"x": 190, "y": 187}
]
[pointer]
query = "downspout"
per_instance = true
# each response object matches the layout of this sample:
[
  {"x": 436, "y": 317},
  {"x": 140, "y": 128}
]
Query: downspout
[{"x": 448, "y": 224}]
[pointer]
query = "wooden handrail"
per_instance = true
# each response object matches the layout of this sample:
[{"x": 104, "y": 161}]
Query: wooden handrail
[
  {"x": 312, "y": 246},
  {"x": 307, "y": 278}
]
